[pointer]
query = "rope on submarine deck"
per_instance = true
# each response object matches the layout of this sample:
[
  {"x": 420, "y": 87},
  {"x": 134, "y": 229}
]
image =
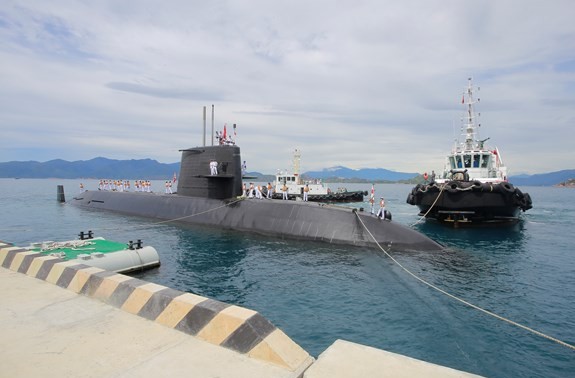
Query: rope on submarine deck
[
  {"x": 200, "y": 213},
  {"x": 538, "y": 333},
  {"x": 176, "y": 219},
  {"x": 431, "y": 207}
]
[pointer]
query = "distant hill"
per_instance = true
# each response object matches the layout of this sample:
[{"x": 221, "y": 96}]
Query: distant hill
[
  {"x": 367, "y": 174},
  {"x": 543, "y": 179},
  {"x": 95, "y": 168},
  {"x": 152, "y": 170}
]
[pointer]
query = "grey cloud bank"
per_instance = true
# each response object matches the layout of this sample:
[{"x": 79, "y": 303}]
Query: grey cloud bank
[{"x": 364, "y": 84}]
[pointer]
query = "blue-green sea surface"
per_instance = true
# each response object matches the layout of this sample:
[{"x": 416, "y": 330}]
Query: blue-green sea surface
[{"x": 318, "y": 293}]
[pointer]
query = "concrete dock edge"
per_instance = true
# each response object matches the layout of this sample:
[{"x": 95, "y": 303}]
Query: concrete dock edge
[
  {"x": 238, "y": 329},
  {"x": 99, "y": 306}
]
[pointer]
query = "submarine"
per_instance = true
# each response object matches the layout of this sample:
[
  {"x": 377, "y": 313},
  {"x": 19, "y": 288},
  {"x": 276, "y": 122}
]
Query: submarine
[{"x": 216, "y": 200}]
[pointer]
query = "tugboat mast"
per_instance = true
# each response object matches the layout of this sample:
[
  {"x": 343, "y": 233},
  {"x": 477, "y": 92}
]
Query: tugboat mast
[
  {"x": 296, "y": 160},
  {"x": 471, "y": 134}
]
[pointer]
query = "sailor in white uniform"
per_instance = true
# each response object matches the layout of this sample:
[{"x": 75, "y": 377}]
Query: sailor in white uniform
[
  {"x": 381, "y": 212},
  {"x": 213, "y": 167}
]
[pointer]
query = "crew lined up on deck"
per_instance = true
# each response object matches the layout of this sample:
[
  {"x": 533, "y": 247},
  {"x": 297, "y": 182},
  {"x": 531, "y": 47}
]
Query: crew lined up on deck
[
  {"x": 257, "y": 191},
  {"x": 143, "y": 186}
]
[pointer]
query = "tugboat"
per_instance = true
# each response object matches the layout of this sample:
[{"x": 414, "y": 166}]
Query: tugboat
[
  {"x": 317, "y": 191},
  {"x": 473, "y": 188}
]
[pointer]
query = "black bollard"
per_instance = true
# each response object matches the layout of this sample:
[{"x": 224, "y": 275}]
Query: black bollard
[{"x": 61, "y": 197}]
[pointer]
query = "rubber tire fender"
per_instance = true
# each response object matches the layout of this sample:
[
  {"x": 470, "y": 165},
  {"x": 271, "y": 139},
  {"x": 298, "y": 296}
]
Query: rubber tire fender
[
  {"x": 453, "y": 187},
  {"x": 507, "y": 187}
]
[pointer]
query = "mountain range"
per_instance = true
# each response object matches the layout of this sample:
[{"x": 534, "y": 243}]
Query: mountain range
[
  {"x": 95, "y": 168},
  {"x": 368, "y": 174},
  {"x": 149, "y": 169}
]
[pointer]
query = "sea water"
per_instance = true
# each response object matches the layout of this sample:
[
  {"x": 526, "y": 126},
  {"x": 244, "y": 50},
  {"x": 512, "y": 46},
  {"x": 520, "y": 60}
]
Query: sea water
[{"x": 318, "y": 293}]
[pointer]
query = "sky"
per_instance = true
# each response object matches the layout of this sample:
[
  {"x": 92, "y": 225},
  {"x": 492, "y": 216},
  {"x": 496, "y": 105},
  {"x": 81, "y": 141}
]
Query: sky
[{"x": 360, "y": 84}]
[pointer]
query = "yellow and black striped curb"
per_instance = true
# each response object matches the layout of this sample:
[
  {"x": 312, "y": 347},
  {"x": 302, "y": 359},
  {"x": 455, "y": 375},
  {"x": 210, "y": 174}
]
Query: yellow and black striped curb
[{"x": 236, "y": 328}]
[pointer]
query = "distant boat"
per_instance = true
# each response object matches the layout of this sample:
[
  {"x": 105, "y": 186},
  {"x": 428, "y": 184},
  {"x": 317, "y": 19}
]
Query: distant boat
[
  {"x": 473, "y": 187},
  {"x": 317, "y": 191}
]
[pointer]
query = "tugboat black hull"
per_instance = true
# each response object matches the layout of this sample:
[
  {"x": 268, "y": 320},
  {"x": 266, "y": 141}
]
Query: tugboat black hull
[
  {"x": 470, "y": 203},
  {"x": 335, "y": 197}
]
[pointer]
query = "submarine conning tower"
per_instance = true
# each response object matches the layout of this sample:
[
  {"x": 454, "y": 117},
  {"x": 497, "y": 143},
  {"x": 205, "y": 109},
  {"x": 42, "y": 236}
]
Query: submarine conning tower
[{"x": 196, "y": 179}]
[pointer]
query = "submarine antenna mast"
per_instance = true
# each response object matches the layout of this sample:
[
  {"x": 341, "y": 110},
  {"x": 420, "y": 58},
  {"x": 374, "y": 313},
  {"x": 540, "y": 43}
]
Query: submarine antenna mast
[{"x": 204, "y": 126}]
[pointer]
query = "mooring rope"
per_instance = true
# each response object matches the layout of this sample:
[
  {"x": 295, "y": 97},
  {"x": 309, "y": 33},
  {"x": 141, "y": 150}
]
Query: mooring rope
[
  {"x": 538, "y": 333},
  {"x": 145, "y": 225},
  {"x": 431, "y": 207}
]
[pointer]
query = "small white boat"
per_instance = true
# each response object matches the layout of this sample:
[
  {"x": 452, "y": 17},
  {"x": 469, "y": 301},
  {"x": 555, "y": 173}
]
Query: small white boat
[{"x": 318, "y": 191}]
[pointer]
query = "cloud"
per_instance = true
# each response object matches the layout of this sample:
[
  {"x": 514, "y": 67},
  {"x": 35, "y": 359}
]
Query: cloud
[
  {"x": 368, "y": 84},
  {"x": 179, "y": 93}
]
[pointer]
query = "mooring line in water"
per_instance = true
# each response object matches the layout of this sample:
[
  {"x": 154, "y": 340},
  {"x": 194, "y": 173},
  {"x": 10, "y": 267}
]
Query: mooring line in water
[
  {"x": 431, "y": 207},
  {"x": 538, "y": 333}
]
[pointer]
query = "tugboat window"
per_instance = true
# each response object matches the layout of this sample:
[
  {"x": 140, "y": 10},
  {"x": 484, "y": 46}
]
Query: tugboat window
[
  {"x": 459, "y": 164},
  {"x": 476, "y": 161},
  {"x": 452, "y": 162},
  {"x": 484, "y": 161},
  {"x": 467, "y": 161}
]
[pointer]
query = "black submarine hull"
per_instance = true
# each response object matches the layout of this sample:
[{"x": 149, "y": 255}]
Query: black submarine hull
[
  {"x": 213, "y": 198},
  {"x": 276, "y": 218}
]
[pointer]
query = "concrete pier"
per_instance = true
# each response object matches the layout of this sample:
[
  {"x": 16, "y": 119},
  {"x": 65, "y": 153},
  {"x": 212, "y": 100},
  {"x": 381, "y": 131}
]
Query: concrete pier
[{"x": 71, "y": 320}]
